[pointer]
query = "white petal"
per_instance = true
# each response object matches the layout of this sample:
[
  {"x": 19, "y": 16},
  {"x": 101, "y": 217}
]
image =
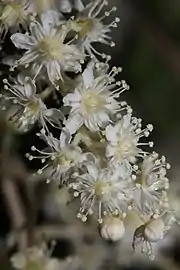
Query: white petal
[
  {"x": 65, "y": 138},
  {"x": 91, "y": 124},
  {"x": 50, "y": 19},
  {"x": 22, "y": 41},
  {"x": 28, "y": 57},
  {"x": 72, "y": 98},
  {"x": 78, "y": 5},
  {"x": 111, "y": 134},
  {"x": 37, "y": 31},
  {"x": 73, "y": 123},
  {"x": 53, "y": 116},
  {"x": 53, "y": 70},
  {"x": 29, "y": 87},
  {"x": 110, "y": 151},
  {"x": 88, "y": 77},
  {"x": 93, "y": 170},
  {"x": 104, "y": 118}
]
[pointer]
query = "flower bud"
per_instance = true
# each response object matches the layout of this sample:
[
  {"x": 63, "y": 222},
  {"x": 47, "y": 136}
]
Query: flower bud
[
  {"x": 112, "y": 229},
  {"x": 154, "y": 230}
]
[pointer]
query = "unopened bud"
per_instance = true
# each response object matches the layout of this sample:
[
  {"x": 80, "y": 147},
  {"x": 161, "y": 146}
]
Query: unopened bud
[
  {"x": 112, "y": 228},
  {"x": 154, "y": 230}
]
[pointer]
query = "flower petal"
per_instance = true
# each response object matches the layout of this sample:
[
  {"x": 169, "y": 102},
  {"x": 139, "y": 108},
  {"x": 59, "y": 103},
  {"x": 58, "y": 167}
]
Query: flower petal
[
  {"x": 78, "y": 5},
  {"x": 29, "y": 87},
  {"x": 65, "y": 138},
  {"x": 49, "y": 19},
  {"x": 73, "y": 123},
  {"x": 54, "y": 71},
  {"x": 22, "y": 41},
  {"x": 88, "y": 77}
]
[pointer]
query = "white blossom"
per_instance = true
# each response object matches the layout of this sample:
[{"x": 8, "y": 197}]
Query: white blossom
[
  {"x": 29, "y": 106},
  {"x": 151, "y": 184},
  {"x": 61, "y": 158},
  {"x": 14, "y": 15},
  {"x": 90, "y": 27},
  {"x": 102, "y": 192},
  {"x": 46, "y": 48},
  {"x": 123, "y": 139},
  {"x": 94, "y": 101}
]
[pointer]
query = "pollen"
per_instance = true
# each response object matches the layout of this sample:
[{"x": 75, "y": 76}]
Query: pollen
[
  {"x": 101, "y": 188},
  {"x": 51, "y": 47},
  {"x": 33, "y": 107},
  {"x": 124, "y": 147},
  {"x": 85, "y": 25},
  {"x": 92, "y": 102}
]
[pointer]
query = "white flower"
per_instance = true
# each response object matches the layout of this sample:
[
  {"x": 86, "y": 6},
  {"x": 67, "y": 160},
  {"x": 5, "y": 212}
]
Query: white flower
[
  {"x": 123, "y": 138},
  {"x": 30, "y": 107},
  {"x": 102, "y": 192},
  {"x": 14, "y": 15},
  {"x": 90, "y": 26},
  {"x": 46, "y": 48},
  {"x": 63, "y": 158},
  {"x": 34, "y": 258},
  {"x": 152, "y": 231},
  {"x": 152, "y": 184},
  {"x": 112, "y": 228},
  {"x": 93, "y": 101}
]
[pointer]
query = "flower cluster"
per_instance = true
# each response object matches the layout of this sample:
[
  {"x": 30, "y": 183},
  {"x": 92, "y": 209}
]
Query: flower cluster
[{"x": 101, "y": 153}]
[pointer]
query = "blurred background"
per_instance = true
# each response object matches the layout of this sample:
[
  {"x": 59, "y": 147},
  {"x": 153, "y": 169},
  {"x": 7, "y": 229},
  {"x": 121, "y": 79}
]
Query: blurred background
[{"x": 148, "y": 49}]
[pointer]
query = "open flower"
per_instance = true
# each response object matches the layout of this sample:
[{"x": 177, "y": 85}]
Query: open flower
[
  {"x": 46, "y": 48},
  {"x": 14, "y": 15},
  {"x": 29, "y": 106},
  {"x": 94, "y": 100},
  {"x": 151, "y": 184},
  {"x": 90, "y": 26},
  {"x": 61, "y": 158},
  {"x": 102, "y": 191},
  {"x": 123, "y": 138}
]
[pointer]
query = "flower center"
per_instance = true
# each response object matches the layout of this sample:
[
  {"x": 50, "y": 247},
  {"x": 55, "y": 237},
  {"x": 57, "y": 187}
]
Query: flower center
[
  {"x": 63, "y": 159},
  {"x": 101, "y": 188},
  {"x": 124, "y": 147},
  {"x": 33, "y": 107},
  {"x": 92, "y": 102},
  {"x": 51, "y": 47},
  {"x": 85, "y": 25}
]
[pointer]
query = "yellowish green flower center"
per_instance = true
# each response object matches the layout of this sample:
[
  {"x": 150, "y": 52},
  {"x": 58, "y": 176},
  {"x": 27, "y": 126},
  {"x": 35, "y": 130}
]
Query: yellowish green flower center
[
  {"x": 92, "y": 102},
  {"x": 85, "y": 25},
  {"x": 63, "y": 159},
  {"x": 101, "y": 188},
  {"x": 51, "y": 47},
  {"x": 33, "y": 107},
  {"x": 124, "y": 147}
]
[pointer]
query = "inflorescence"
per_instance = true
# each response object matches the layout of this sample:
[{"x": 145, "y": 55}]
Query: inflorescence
[{"x": 101, "y": 154}]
